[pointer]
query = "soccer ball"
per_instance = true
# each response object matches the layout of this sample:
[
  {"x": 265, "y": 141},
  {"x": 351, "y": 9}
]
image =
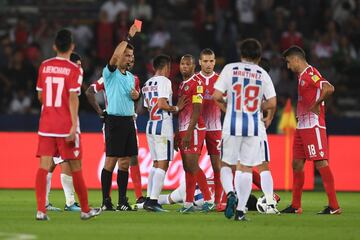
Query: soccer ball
[{"x": 261, "y": 204}]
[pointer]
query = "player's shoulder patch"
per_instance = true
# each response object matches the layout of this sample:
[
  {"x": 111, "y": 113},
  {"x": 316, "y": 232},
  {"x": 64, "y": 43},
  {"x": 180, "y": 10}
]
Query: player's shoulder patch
[{"x": 315, "y": 78}]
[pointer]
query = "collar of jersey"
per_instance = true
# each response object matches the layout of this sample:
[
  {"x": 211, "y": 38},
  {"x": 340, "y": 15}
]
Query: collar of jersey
[
  {"x": 213, "y": 73},
  {"x": 304, "y": 71},
  {"x": 189, "y": 79}
]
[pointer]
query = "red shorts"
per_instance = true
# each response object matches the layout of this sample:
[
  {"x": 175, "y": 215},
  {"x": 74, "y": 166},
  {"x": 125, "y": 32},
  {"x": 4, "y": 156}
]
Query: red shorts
[
  {"x": 196, "y": 142},
  {"x": 310, "y": 144},
  {"x": 213, "y": 142},
  {"x": 58, "y": 147}
]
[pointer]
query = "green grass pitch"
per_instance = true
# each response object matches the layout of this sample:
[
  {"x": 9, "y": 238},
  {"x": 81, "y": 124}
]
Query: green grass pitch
[{"x": 17, "y": 221}]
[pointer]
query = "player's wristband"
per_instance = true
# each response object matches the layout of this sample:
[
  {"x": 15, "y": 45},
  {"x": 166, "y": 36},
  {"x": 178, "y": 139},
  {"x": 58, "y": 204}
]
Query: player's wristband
[{"x": 128, "y": 38}]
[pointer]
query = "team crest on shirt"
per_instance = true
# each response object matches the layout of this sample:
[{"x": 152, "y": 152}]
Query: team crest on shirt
[
  {"x": 199, "y": 89},
  {"x": 315, "y": 78},
  {"x": 76, "y": 153},
  {"x": 302, "y": 83},
  {"x": 186, "y": 88}
]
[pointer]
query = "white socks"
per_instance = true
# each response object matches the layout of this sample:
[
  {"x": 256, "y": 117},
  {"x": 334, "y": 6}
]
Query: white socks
[
  {"x": 243, "y": 185},
  {"x": 164, "y": 199},
  {"x": 157, "y": 183},
  {"x": 68, "y": 187},
  {"x": 48, "y": 187},
  {"x": 150, "y": 181},
  {"x": 227, "y": 177},
  {"x": 267, "y": 186}
]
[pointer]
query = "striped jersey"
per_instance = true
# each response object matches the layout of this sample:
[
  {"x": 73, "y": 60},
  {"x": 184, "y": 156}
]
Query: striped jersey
[
  {"x": 210, "y": 111},
  {"x": 309, "y": 89},
  {"x": 245, "y": 84},
  {"x": 160, "y": 121}
]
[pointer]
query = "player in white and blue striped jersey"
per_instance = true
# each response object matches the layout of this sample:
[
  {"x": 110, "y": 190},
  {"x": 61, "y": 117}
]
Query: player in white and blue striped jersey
[
  {"x": 249, "y": 90},
  {"x": 157, "y": 96}
]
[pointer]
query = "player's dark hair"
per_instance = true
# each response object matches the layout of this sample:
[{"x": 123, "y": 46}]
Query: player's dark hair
[
  {"x": 250, "y": 49},
  {"x": 74, "y": 57},
  {"x": 189, "y": 56},
  {"x": 206, "y": 51},
  {"x": 130, "y": 46},
  {"x": 161, "y": 61},
  {"x": 63, "y": 40},
  {"x": 294, "y": 51},
  {"x": 265, "y": 64}
]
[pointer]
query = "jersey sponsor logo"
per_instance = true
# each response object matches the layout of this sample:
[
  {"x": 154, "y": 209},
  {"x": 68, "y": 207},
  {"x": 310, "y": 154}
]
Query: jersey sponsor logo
[
  {"x": 199, "y": 89},
  {"x": 315, "y": 78},
  {"x": 196, "y": 99}
]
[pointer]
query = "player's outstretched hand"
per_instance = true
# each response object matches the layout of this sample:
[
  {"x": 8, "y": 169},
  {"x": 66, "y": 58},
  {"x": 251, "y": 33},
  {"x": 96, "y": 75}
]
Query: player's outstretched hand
[
  {"x": 133, "y": 30},
  {"x": 182, "y": 102},
  {"x": 134, "y": 94},
  {"x": 71, "y": 137},
  {"x": 315, "y": 109}
]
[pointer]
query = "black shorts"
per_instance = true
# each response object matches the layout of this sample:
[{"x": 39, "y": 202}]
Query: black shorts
[{"x": 120, "y": 136}]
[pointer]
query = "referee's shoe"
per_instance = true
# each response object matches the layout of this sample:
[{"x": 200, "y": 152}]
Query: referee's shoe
[{"x": 124, "y": 205}]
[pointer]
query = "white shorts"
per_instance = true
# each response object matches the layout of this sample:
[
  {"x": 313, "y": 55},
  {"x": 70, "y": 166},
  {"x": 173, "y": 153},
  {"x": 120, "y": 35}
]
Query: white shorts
[
  {"x": 247, "y": 150},
  {"x": 265, "y": 150},
  {"x": 57, "y": 160},
  {"x": 161, "y": 147}
]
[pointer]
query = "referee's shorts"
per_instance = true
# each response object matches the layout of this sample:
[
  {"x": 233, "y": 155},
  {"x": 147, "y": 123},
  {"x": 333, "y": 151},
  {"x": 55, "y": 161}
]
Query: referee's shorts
[{"x": 120, "y": 136}]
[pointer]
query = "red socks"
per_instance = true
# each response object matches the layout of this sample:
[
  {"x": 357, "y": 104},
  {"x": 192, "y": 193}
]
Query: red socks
[
  {"x": 218, "y": 187},
  {"x": 256, "y": 179},
  {"x": 136, "y": 179},
  {"x": 80, "y": 189},
  {"x": 190, "y": 181},
  {"x": 298, "y": 183},
  {"x": 40, "y": 189},
  {"x": 328, "y": 181},
  {"x": 204, "y": 188}
]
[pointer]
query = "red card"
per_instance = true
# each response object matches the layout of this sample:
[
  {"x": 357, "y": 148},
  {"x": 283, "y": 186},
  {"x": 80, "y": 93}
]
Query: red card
[{"x": 138, "y": 24}]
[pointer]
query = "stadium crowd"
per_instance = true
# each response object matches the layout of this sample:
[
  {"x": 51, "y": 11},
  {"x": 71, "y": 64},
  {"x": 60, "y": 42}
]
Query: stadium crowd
[{"x": 329, "y": 31}]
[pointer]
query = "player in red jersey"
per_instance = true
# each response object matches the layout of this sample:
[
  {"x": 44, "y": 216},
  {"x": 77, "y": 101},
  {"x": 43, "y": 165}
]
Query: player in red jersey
[
  {"x": 58, "y": 85},
  {"x": 310, "y": 141},
  {"x": 94, "y": 88},
  {"x": 191, "y": 134},
  {"x": 212, "y": 115}
]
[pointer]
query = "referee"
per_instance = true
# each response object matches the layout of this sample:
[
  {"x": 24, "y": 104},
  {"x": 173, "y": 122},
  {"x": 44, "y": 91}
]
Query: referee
[{"x": 120, "y": 134}]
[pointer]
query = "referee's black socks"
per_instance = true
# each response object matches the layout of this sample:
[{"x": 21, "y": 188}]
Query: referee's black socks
[
  {"x": 122, "y": 181},
  {"x": 106, "y": 178}
]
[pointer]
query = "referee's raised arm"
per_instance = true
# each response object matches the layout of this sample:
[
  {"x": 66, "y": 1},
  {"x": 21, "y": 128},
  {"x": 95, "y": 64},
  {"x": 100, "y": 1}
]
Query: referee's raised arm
[{"x": 119, "y": 50}]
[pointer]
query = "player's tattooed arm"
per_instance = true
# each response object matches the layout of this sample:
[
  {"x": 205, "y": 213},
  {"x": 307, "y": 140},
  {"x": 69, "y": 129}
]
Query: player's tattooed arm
[
  {"x": 90, "y": 95},
  {"x": 163, "y": 104},
  {"x": 219, "y": 100},
  {"x": 326, "y": 91}
]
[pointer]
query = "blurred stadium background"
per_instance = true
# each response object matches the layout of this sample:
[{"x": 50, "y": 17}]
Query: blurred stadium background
[{"x": 329, "y": 31}]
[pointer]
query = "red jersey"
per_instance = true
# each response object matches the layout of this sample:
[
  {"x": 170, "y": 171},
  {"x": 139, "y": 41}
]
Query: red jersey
[
  {"x": 192, "y": 89},
  {"x": 211, "y": 112},
  {"x": 56, "y": 79},
  {"x": 309, "y": 89}
]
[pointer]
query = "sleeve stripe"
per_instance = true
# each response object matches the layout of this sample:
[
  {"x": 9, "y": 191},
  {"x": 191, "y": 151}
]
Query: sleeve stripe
[
  {"x": 74, "y": 89},
  {"x": 94, "y": 86}
]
